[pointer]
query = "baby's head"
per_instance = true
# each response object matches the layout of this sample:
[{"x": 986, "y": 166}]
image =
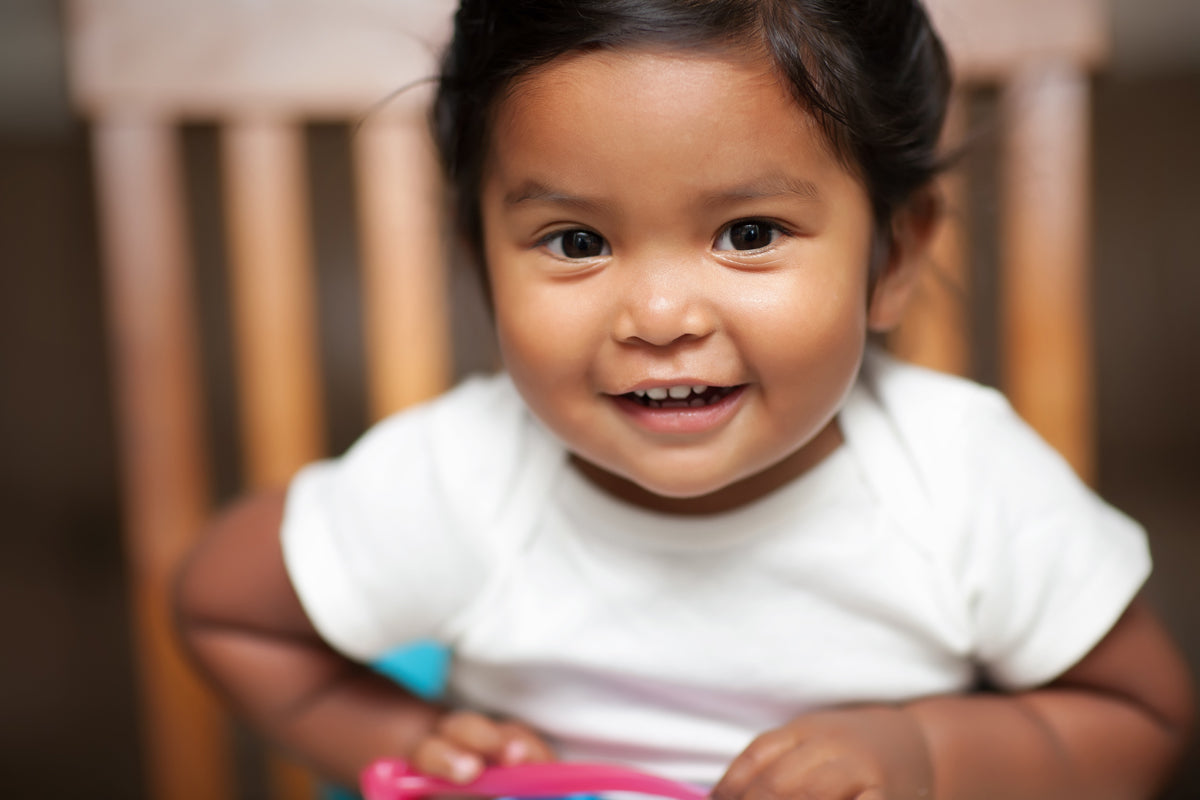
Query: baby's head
[
  {"x": 690, "y": 213},
  {"x": 872, "y": 72}
]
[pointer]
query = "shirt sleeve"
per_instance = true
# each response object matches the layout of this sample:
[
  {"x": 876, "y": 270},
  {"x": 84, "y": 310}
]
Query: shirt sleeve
[
  {"x": 390, "y": 542},
  {"x": 1053, "y": 566}
]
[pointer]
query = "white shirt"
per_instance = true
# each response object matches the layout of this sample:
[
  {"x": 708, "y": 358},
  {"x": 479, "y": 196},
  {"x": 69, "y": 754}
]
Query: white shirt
[{"x": 943, "y": 541}]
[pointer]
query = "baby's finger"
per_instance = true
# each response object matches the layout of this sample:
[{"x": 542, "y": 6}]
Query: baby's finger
[
  {"x": 751, "y": 762},
  {"x": 475, "y": 733},
  {"x": 816, "y": 774},
  {"x": 522, "y": 746},
  {"x": 443, "y": 758}
]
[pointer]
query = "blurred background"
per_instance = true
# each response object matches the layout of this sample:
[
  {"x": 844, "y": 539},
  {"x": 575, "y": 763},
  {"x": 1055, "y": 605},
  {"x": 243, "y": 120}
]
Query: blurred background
[{"x": 66, "y": 681}]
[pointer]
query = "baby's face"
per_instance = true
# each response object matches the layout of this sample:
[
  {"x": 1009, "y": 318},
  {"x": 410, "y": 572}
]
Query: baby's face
[{"x": 674, "y": 223}]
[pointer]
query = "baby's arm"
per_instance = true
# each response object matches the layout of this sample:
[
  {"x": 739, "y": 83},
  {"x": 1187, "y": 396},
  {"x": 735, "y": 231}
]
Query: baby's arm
[
  {"x": 1111, "y": 727},
  {"x": 242, "y": 623}
]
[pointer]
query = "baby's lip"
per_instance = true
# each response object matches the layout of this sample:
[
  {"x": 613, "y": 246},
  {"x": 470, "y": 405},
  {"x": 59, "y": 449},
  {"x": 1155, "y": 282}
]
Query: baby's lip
[{"x": 696, "y": 414}]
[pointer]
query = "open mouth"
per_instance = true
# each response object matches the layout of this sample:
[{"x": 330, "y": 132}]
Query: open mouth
[{"x": 680, "y": 396}]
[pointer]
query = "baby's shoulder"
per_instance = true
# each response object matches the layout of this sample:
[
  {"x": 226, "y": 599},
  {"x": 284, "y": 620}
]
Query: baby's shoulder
[
  {"x": 931, "y": 443},
  {"x": 476, "y": 440},
  {"x": 482, "y": 407},
  {"x": 943, "y": 444},
  {"x": 934, "y": 414},
  {"x": 487, "y": 448},
  {"x": 479, "y": 412}
]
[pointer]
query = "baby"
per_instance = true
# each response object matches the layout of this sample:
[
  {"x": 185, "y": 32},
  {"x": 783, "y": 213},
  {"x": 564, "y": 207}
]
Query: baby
[{"x": 698, "y": 525}]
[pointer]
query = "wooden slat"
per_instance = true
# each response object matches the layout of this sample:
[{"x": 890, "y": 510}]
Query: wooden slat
[
  {"x": 404, "y": 256},
  {"x": 1047, "y": 356},
  {"x": 161, "y": 440},
  {"x": 272, "y": 282},
  {"x": 936, "y": 332}
]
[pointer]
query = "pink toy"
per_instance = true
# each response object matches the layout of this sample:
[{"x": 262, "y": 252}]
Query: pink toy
[{"x": 392, "y": 779}]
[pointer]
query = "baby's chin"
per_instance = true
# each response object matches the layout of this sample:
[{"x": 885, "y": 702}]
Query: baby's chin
[{"x": 689, "y": 493}]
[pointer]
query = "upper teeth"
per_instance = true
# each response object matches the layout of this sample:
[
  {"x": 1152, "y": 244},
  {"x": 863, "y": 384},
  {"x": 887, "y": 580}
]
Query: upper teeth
[{"x": 674, "y": 392}]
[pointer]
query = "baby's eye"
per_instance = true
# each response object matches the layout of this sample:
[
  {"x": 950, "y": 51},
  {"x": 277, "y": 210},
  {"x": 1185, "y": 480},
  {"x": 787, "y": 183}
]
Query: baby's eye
[
  {"x": 576, "y": 243},
  {"x": 751, "y": 234}
]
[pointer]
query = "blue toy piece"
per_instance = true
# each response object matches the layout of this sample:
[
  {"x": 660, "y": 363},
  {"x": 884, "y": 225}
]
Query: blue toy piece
[{"x": 422, "y": 667}]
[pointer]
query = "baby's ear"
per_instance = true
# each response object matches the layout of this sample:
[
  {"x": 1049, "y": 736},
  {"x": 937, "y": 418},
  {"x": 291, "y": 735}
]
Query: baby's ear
[{"x": 912, "y": 231}]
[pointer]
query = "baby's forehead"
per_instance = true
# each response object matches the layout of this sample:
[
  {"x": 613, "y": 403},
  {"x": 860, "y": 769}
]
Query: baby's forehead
[
  {"x": 753, "y": 60},
  {"x": 670, "y": 78},
  {"x": 655, "y": 86}
]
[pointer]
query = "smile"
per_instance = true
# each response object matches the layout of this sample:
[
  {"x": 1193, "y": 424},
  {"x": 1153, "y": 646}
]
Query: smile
[{"x": 679, "y": 396}]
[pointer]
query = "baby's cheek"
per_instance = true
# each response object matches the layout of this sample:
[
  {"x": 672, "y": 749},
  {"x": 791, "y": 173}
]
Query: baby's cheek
[
  {"x": 537, "y": 349},
  {"x": 800, "y": 325}
]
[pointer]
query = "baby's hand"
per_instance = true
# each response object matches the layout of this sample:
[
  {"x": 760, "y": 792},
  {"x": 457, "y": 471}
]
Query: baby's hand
[
  {"x": 464, "y": 742},
  {"x": 868, "y": 753}
]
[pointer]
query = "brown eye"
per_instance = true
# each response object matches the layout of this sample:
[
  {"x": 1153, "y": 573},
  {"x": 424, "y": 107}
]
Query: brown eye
[
  {"x": 747, "y": 235},
  {"x": 577, "y": 243}
]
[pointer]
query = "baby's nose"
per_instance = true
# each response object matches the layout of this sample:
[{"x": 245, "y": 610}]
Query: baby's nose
[{"x": 664, "y": 305}]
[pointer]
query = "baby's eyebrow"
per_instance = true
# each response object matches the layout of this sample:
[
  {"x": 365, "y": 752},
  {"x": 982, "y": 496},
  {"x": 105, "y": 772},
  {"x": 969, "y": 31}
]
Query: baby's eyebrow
[
  {"x": 770, "y": 186},
  {"x": 534, "y": 192}
]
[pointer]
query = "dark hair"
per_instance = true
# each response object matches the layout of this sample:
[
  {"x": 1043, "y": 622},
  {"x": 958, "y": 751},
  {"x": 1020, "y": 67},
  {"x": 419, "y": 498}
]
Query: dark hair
[{"x": 873, "y": 72}]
